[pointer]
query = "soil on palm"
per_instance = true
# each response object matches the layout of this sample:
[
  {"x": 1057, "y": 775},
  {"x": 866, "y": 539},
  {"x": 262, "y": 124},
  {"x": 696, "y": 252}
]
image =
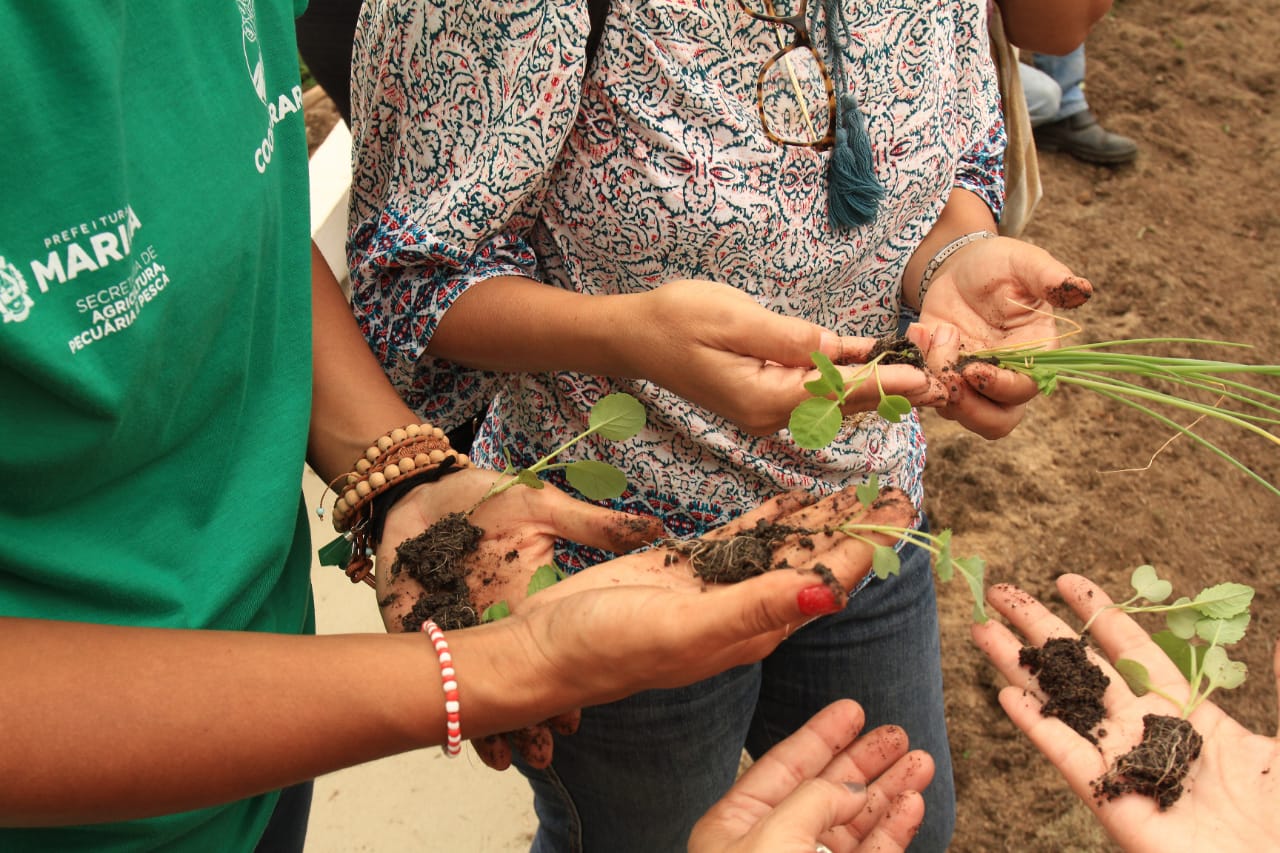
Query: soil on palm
[
  {"x": 738, "y": 557},
  {"x": 436, "y": 559},
  {"x": 1155, "y": 767},
  {"x": 1072, "y": 683}
]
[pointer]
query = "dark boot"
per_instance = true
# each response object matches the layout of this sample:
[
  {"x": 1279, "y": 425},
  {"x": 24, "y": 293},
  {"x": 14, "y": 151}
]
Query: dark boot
[{"x": 1082, "y": 137}]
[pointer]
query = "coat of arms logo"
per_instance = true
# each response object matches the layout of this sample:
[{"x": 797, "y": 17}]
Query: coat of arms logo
[{"x": 15, "y": 301}]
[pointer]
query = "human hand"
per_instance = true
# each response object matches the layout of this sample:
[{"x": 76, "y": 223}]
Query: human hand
[
  {"x": 1229, "y": 801},
  {"x": 992, "y": 293},
  {"x": 717, "y": 347},
  {"x": 864, "y": 798},
  {"x": 665, "y": 627},
  {"x": 520, "y": 528}
]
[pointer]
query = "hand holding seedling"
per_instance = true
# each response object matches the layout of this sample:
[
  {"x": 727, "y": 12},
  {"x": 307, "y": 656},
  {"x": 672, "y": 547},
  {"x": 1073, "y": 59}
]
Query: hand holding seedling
[
  {"x": 1230, "y": 796},
  {"x": 992, "y": 293},
  {"x": 828, "y": 783},
  {"x": 717, "y": 347}
]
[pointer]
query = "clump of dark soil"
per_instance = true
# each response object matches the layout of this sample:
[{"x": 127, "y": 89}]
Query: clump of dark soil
[
  {"x": 897, "y": 350},
  {"x": 435, "y": 558},
  {"x": 1157, "y": 765},
  {"x": 1073, "y": 684}
]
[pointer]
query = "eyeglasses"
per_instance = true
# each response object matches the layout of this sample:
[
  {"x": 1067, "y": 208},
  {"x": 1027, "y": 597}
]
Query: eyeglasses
[{"x": 796, "y": 99}]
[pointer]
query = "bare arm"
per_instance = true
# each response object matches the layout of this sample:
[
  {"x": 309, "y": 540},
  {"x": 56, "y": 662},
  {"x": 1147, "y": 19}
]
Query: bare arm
[
  {"x": 1056, "y": 27},
  {"x": 353, "y": 402},
  {"x": 109, "y": 723}
]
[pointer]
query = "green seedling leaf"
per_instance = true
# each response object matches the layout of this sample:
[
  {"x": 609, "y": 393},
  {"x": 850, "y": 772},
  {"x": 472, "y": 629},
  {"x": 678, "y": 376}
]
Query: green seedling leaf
[
  {"x": 1177, "y": 649},
  {"x": 1182, "y": 621},
  {"x": 815, "y": 422},
  {"x": 831, "y": 381},
  {"x": 868, "y": 491},
  {"x": 543, "y": 577},
  {"x": 1135, "y": 675},
  {"x": 1223, "y": 632},
  {"x": 974, "y": 569},
  {"x": 494, "y": 612},
  {"x": 1223, "y": 672},
  {"x": 598, "y": 481},
  {"x": 617, "y": 417},
  {"x": 526, "y": 477},
  {"x": 1147, "y": 584},
  {"x": 1046, "y": 379},
  {"x": 1224, "y": 600},
  {"x": 943, "y": 563},
  {"x": 893, "y": 408},
  {"x": 885, "y": 562}
]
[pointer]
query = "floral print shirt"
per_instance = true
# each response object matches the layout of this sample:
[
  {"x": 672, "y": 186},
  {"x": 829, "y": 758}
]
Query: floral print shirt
[{"x": 486, "y": 145}]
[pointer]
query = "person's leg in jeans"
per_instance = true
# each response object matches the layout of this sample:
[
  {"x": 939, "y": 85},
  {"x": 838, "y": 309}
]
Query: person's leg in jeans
[
  {"x": 1075, "y": 129},
  {"x": 640, "y": 772},
  {"x": 884, "y": 651},
  {"x": 1042, "y": 94},
  {"x": 1068, "y": 72}
]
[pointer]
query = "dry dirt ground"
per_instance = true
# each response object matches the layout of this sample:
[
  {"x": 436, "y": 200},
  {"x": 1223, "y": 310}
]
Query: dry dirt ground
[{"x": 1186, "y": 243}]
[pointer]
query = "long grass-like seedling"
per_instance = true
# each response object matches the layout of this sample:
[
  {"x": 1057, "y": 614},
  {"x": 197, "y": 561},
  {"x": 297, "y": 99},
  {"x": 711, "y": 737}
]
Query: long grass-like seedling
[{"x": 1145, "y": 382}]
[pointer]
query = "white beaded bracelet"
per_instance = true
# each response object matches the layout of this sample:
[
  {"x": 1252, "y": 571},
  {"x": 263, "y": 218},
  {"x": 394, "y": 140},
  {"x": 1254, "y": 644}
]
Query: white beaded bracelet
[
  {"x": 946, "y": 252},
  {"x": 449, "y": 680}
]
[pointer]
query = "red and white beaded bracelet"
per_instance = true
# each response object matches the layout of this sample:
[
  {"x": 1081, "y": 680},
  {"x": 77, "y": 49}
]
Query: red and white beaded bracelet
[{"x": 449, "y": 680}]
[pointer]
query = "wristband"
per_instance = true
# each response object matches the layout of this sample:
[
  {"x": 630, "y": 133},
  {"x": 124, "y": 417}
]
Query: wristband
[
  {"x": 449, "y": 681},
  {"x": 945, "y": 252}
]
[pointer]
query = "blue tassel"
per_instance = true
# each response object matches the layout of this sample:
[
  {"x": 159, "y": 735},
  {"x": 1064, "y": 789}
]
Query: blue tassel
[{"x": 853, "y": 190}]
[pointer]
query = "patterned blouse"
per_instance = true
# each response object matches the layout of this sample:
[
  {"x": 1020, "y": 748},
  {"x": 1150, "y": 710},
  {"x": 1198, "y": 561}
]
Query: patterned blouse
[{"x": 486, "y": 146}]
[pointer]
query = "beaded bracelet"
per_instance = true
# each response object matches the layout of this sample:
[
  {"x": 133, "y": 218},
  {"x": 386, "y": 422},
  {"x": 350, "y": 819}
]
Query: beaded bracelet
[
  {"x": 449, "y": 680},
  {"x": 944, "y": 253},
  {"x": 404, "y": 457}
]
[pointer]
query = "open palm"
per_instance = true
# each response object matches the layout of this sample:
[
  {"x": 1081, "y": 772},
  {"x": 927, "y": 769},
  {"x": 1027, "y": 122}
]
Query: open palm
[{"x": 1231, "y": 792}]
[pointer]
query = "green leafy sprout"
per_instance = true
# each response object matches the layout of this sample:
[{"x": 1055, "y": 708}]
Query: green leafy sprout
[
  {"x": 615, "y": 417},
  {"x": 545, "y": 576},
  {"x": 1135, "y": 380},
  {"x": 815, "y": 422},
  {"x": 885, "y": 560},
  {"x": 1196, "y": 631}
]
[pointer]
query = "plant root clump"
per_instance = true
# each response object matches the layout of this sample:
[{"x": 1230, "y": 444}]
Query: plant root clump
[
  {"x": 738, "y": 557},
  {"x": 1073, "y": 684},
  {"x": 436, "y": 559},
  {"x": 897, "y": 350},
  {"x": 1157, "y": 765}
]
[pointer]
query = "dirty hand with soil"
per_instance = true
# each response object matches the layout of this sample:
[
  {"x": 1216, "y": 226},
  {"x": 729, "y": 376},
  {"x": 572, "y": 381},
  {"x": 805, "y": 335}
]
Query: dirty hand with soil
[
  {"x": 997, "y": 292},
  {"x": 1230, "y": 793}
]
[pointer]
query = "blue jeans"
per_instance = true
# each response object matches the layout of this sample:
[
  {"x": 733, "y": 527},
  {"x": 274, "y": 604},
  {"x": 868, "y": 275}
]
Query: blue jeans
[
  {"x": 1068, "y": 72},
  {"x": 640, "y": 772}
]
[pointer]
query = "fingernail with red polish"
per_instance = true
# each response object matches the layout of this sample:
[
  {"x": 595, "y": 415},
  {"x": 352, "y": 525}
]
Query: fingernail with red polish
[{"x": 817, "y": 600}]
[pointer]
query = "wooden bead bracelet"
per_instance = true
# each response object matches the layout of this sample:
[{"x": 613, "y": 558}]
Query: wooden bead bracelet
[{"x": 403, "y": 457}]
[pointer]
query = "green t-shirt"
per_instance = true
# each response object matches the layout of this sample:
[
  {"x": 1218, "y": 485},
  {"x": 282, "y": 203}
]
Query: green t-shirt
[{"x": 155, "y": 335}]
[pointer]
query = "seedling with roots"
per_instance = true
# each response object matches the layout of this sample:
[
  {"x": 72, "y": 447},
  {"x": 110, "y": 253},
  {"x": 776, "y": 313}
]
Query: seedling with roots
[
  {"x": 1197, "y": 629},
  {"x": 1145, "y": 383}
]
